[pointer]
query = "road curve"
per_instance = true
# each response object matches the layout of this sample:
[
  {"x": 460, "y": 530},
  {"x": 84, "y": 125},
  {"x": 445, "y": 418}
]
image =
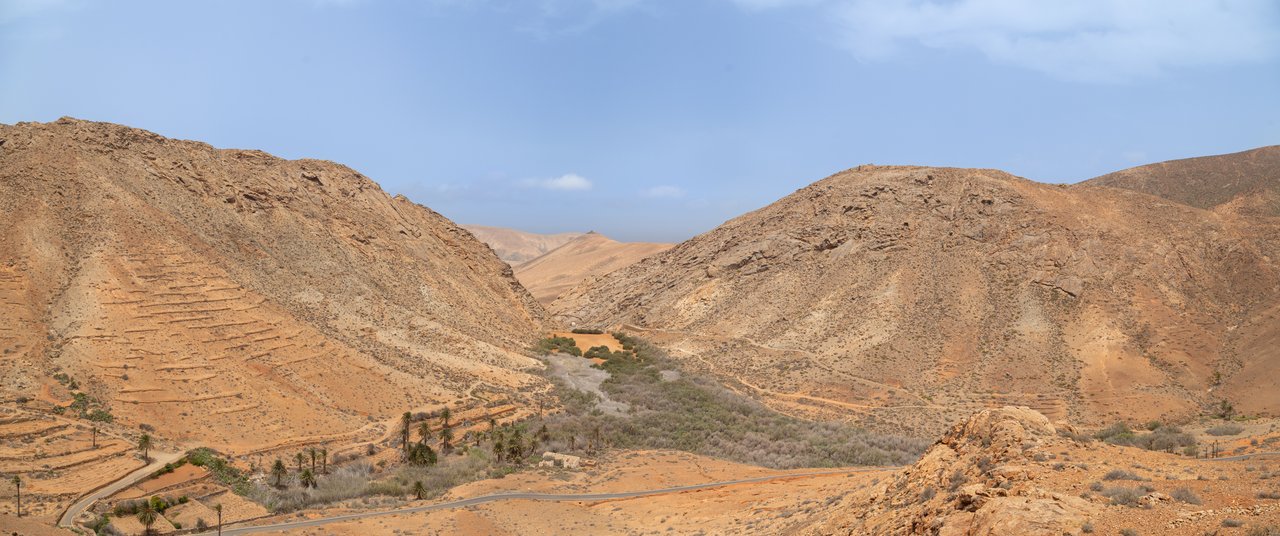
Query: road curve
[
  {"x": 159, "y": 459},
  {"x": 554, "y": 497}
]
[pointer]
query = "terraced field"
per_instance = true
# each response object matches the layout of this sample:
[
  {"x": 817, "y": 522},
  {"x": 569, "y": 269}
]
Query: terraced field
[{"x": 57, "y": 461}]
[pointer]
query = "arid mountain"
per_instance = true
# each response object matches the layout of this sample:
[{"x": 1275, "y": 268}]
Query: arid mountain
[
  {"x": 1247, "y": 182},
  {"x": 584, "y": 257},
  {"x": 516, "y": 247},
  {"x": 237, "y": 299},
  {"x": 908, "y": 297}
]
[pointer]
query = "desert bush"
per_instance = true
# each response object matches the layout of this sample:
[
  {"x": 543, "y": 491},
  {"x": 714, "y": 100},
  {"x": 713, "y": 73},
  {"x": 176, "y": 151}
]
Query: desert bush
[
  {"x": 1164, "y": 437},
  {"x": 1225, "y": 430},
  {"x": 1232, "y": 522},
  {"x": 1128, "y": 532},
  {"x": 1186, "y": 495},
  {"x": 1122, "y": 496},
  {"x": 588, "y": 331},
  {"x": 1268, "y": 530},
  {"x": 1087, "y": 527},
  {"x": 1121, "y": 474},
  {"x": 927, "y": 494},
  {"x": 1096, "y": 486},
  {"x": 1269, "y": 494},
  {"x": 957, "y": 479}
]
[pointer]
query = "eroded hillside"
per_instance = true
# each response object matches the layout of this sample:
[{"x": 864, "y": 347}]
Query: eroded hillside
[
  {"x": 907, "y": 297},
  {"x": 237, "y": 299}
]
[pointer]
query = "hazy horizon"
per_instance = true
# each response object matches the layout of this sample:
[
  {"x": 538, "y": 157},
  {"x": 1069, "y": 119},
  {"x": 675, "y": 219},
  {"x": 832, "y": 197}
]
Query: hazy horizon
[{"x": 656, "y": 121}]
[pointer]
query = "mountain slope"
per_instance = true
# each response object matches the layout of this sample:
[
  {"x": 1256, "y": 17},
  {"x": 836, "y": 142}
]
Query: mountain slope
[
  {"x": 905, "y": 297},
  {"x": 1249, "y": 180},
  {"x": 237, "y": 299},
  {"x": 516, "y": 247},
  {"x": 584, "y": 257}
]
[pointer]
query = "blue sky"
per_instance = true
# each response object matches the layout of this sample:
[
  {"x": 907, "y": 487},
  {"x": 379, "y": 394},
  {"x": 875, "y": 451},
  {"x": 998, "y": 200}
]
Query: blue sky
[{"x": 656, "y": 120}]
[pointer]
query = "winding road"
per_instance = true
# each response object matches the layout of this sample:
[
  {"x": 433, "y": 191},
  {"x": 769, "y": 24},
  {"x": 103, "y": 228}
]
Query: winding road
[
  {"x": 525, "y": 496},
  {"x": 159, "y": 459}
]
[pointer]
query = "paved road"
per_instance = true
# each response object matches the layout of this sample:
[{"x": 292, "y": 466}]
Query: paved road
[
  {"x": 555, "y": 497},
  {"x": 158, "y": 460}
]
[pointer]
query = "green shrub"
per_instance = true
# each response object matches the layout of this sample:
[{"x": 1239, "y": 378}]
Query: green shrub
[
  {"x": 558, "y": 344},
  {"x": 588, "y": 331}
]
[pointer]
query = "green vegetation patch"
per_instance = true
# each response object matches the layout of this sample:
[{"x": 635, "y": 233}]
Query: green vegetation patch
[
  {"x": 558, "y": 344},
  {"x": 221, "y": 470}
]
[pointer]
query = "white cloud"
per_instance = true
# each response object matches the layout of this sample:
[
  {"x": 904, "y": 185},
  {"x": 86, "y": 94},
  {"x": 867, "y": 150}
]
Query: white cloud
[
  {"x": 1083, "y": 40},
  {"x": 569, "y": 181},
  {"x": 664, "y": 191}
]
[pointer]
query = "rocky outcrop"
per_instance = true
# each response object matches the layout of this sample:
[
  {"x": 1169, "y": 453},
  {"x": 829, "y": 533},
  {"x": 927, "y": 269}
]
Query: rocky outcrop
[{"x": 978, "y": 480}]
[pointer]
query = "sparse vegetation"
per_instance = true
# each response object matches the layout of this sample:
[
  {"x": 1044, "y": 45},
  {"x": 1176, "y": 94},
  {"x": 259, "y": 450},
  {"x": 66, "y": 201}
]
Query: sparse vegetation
[
  {"x": 1225, "y": 430},
  {"x": 1232, "y": 523},
  {"x": 1121, "y": 474},
  {"x": 587, "y": 331},
  {"x": 1186, "y": 495},
  {"x": 1164, "y": 438},
  {"x": 696, "y": 414}
]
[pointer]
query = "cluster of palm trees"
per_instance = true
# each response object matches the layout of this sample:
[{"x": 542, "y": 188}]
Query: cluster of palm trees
[
  {"x": 307, "y": 476},
  {"x": 509, "y": 443},
  {"x": 421, "y": 453}
]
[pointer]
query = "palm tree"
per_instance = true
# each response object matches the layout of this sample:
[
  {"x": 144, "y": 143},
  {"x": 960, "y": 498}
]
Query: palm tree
[
  {"x": 308, "y": 479},
  {"x": 419, "y": 490},
  {"x": 444, "y": 416},
  {"x": 95, "y": 437},
  {"x": 498, "y": 449},
  {"x": 313, "y": 452},
  {"x": 405, "y": 420},
  {"x": 446, "y": 436},
  {"x": 144, "y": 445},
  {"x": 278, "y": 471},
  {"x": 147, "y": 516},
  {"x": 424, "y": 430},
  {"x": 324, "y": 460},
  {"x": 17, "y": 486},
  {"x": 298, "y": 457},
  {"x": 218, "y": 508},
  {"x": 515, "y": 451}
]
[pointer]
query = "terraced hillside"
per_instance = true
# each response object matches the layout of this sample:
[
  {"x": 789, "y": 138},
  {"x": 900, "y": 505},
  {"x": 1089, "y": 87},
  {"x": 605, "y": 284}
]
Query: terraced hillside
[
  {"x": 908, "y": 297},
  {"x": 58, "y": 460},
  {"x": 236, "y": 300}
]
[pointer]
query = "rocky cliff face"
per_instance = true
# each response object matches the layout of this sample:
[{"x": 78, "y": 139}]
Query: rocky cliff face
[
  {"x": 269, "y": 298},
  {"x": 910, "y": 297}
]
